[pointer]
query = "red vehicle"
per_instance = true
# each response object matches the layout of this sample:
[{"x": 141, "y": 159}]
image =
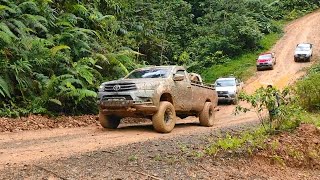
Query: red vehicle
[{"x": 266, "y": 61}]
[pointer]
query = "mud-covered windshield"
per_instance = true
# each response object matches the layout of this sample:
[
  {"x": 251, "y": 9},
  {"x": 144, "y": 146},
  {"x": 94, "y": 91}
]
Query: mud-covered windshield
[
  {"x": 225, "y": 83},
  {"x": 149, "y": 73}
]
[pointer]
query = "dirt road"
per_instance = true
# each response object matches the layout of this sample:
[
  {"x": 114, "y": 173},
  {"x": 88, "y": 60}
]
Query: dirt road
[{"x": 43, "y": 145}]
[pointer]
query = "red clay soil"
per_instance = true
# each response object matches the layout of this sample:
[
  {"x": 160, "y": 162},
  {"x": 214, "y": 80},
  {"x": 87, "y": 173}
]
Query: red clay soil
[
  {"x": 300, "y": 149},
  {"x": 35, "y": 122}
]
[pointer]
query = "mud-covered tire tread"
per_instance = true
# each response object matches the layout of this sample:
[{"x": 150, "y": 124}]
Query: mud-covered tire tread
[
  {"x": 158, "y": 120},
  {"x": 204, "y": 117},
  {"x": 309, "y": 59},
  {"x": 109, "y": 121},
  {"x": 235, "y": 100}
]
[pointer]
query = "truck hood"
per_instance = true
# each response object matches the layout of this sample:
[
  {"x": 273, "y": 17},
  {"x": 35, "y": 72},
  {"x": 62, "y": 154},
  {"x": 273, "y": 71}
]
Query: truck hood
[
  {"x": 230, "y": 89},
  {"x": 146, "y": 83}
]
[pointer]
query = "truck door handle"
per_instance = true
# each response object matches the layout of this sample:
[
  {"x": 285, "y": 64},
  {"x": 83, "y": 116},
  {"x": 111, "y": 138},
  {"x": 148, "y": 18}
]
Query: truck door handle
[{"x": 188, "y": 86}]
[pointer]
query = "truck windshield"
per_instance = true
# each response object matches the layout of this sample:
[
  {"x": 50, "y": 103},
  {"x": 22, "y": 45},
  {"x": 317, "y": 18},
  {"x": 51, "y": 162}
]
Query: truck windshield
[
  {"x": 302, "y": 48},
  {"x": 225, "y": 83},
  {"x": 149, "y": 73},
  {"x": 265, "y": 56}
]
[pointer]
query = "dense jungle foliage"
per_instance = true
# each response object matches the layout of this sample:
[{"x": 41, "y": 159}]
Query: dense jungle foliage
[{"x": 55, "y": 53}]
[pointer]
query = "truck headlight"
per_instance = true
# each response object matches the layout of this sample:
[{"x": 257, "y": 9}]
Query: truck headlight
[{"x": 101, "y": 88}]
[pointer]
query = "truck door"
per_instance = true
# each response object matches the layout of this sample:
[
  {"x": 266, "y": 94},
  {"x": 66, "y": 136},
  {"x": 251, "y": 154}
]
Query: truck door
[{"x": 182, "y": 93}]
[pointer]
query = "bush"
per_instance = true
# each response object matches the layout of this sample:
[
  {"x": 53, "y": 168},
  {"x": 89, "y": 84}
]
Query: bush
[{"x": 308, "y": 92}]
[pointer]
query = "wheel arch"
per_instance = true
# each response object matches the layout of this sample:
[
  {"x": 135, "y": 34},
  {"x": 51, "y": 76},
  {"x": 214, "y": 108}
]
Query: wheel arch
[{"x": 166, "y": 97}]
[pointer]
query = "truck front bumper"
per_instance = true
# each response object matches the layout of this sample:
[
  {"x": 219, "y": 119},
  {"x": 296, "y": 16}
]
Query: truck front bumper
[
  {"x": 264, "y": 65},
  {"x": 126, "y": 108},
  {"x": 226, "y": 97}
]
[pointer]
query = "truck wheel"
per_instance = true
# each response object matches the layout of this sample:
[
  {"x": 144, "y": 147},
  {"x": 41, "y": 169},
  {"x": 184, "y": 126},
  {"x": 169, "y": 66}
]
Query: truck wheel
[
  {"x": 206, "y": 116},
  {"x": 235, "y": 100},
  {"x": 165, "y": 119},
  {"x": 109, "y": 121}
]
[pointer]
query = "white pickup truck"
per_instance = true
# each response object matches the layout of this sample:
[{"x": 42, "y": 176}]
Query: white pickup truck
[
  {"x": 228, "y": 89},
  {"x": 303, "y": 52}
]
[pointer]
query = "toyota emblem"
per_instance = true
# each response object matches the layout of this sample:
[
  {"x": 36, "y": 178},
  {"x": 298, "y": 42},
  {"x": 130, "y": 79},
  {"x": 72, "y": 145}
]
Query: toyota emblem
[{"x": 117, "y": 87}]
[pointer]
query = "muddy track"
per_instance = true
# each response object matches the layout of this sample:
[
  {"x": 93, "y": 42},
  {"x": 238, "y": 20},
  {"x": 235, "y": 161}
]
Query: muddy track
[{"x": 37, "y": 146}]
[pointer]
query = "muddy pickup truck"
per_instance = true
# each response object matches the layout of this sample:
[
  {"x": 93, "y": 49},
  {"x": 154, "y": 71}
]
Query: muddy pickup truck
[{"x": 160, "y": 93}]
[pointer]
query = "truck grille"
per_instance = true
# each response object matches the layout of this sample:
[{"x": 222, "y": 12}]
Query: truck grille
[
  {"x": 123, "y": 97},
  {"x": 120, "y": 87},
  {"x": 222, "y": 92}
]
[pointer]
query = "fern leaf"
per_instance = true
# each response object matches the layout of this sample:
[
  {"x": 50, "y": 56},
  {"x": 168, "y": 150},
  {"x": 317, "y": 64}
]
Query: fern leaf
[
  {"x": 55, "y": 49},
  {"x": 84, "y": 72},
  {"x": 19, "y": 25},
  {"x": 5, "y": 37},
  {"x": 29, "y": 5},
  {"x": 35, "y": 21},
  {"x": 106, "y": 17},
  {"x": 80, "y": 9},
  {"x": 4, "y": 88},
  {"x": 7, "y": 30},
  {"x": 56, "y": 101},
  {"x": 82, "y": 93},
  {"x": 64, "y": 23},
  {"x": 113, "y": 60},
  {"x": 130, "y": 52},
  {"x": 101, "y": 57},
  {"x": 6, "y": 8}
]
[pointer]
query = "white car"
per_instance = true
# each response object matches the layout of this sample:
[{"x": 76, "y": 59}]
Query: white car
[
  {"x": 303, "y": 52},
  {"x": 228, "y": 89}
]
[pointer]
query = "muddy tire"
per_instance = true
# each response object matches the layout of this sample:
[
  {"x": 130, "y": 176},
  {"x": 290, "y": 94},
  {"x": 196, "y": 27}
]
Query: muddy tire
[
  {"x": 206, "y": 116},
  {"x": 109, "y": 121},
  {"x": 309, "y": 59},
  {"x": 235, "y": 101},
  {"x": 165, "y": 119}
]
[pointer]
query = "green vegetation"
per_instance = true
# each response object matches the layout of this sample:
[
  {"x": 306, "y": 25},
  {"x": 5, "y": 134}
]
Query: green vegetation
[
  {"x": 308, "y": 90},
  {"x": 54, "y": 54}
]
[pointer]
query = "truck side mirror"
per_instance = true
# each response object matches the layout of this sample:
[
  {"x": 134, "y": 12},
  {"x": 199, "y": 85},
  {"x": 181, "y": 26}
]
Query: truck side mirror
[{"x": 178, "y": 77}]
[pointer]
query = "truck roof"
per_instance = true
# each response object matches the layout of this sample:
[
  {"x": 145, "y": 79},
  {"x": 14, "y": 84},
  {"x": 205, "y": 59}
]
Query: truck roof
[
  {"x": 169, "y": 66},
  {"x": 226, "y": 78}
]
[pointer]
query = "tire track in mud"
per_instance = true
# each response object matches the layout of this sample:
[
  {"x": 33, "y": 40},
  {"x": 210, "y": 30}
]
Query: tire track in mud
[{"x": 45, "y": 145}]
